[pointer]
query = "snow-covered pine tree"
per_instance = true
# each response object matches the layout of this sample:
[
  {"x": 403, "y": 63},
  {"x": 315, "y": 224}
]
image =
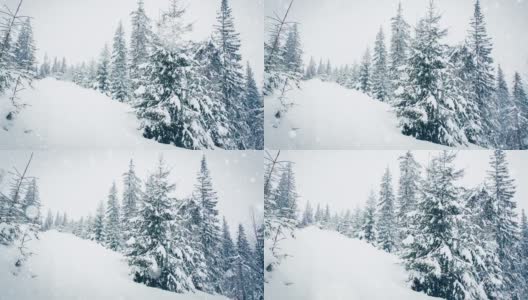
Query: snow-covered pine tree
[
  {"x": 438, "y": 264},
  {"x": 244, "y": 268},
  {"x": 327, "y": 217},
  {"x": 231, "y": 79},
  {"x": 112, "y": 228},
  {"x": 481, "y": 79},
  {"x": 365, "y": 76},
  {"x": 520, "y": 117},
  {"x": 131, "y": 200},
  {"x": 209, "y": 232},
  {"x": 318, "y": 214},
  {"x": 321, "y": 69},
  {"x": 502, "y": 214},
  {"x": 293, "y": 55},
  {"x": 386, "y": 225},
  {"x": 103, "y": 71},
  {"x": 140, "y": 40},
  {"x": 158, "y": 258},
  {"x": 24, "y": 50},
  {"x": 431, "y": 106},
  {"x": 259, "y": 262},
  {"x": 255, "y": 113},
  {"x": 99, "y": 224},
  {"x": 380, "y": 77},
  {"x": 229, "y": 256},
  {"x": 399, "y": 47},
  {"x": 308, "y": 217},
  {"x": 44, "y": 70},
  {"x": 119, "y": 77},
  {"x": 408, "y": 190},
  {"x": 48, "y": 222},
  {"x": 368, "y": 229},
  {"x": 357, "y": 222},
  {"x": 524, "y": 250},
  {"x": 504, "y": 112}
]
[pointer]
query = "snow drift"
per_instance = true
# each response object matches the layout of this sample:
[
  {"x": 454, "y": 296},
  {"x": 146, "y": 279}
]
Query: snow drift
[
  {"x": 326, "y": 115},
  {"x": 327, "y": 265},
  {"x": 61, "y": 114},
  {"x": 64, "y": 266}
]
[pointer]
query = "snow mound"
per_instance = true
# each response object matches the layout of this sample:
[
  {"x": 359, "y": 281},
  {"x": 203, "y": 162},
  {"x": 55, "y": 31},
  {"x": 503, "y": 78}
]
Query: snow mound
[
  {"x": 327, "y": 265},
  {"x": 62, "y": 115},
  {"x": 65, "y": 267},
  {"x": 326, "y": 115}
]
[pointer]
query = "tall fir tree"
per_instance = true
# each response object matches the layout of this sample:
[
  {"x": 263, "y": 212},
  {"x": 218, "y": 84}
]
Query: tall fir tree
[
  {"x": 408, "y": 190},
  {"x": 99, "y": 224},
  {"x": 399, "y": 49},
  {"x": 231, "y": 78},
  {"x": 520, "y": 116},
  {"x": 365, "y": 76},
  {"x": 386, "y": 226},
  {"x": 113, "y": 221},
  {"x": 244, "y": 269},
  {"x": 368, "y": 229},
  {"x": 481, "y": 79},
  {"x": 504, "y": 111},
  {"x": 255, "y": 116},
  {"x": 308, "y": 217},
  {"x": 131, "y": 200},
  {"x": 210, "y": 232},
  {"x": 229, "y": 256},
  {"x": 139, "y": 44},
  {"x": 103, "y": 71},
  {"x": 380, "y": 76},
  {"x": 119, "y": 76},
  {"x": 24, "y": 50}
]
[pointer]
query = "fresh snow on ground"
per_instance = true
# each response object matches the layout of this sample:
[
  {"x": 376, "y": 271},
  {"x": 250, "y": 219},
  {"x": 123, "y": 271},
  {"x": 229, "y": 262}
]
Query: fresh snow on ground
[
  {"x": 65, "y": 267},
  {"x": 62, "y": 115},
  {"x": 324, "y": 265},
  {"x": 326, "y": 115}
]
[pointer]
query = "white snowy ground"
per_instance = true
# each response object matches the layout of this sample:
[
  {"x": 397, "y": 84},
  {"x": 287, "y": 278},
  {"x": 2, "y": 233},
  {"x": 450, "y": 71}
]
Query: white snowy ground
[
  {"x": 65, "y": 267},
  {"x": 64, "y": 115},
  {"x": 327, "y": 265},
  {"x": 326, "y": 115}
]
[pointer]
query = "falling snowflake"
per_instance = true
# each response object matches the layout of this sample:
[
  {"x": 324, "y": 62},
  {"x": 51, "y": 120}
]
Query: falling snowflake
[{"x": 252, "y": 180}]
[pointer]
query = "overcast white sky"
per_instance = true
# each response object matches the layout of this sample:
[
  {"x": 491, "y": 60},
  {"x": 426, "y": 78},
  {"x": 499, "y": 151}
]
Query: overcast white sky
[
  {"x": 342, "y": 29},
  {"x": 78, "y": 29},
  {"x": 343, "y": 179},
  {"x": 75, "y": 181}
]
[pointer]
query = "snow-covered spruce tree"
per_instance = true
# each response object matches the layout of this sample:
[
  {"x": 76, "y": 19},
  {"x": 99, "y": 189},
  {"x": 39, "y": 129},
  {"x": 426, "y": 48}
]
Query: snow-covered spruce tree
[
  {"x": 255, "y": 113},
  {"x": 325, "y": 220},
  {"x": 365, "y": 76},
  {"x": 504, "y": 110},
  {"x": 131, "y": 200},
  {"x": 44, "y": 69},
  {"x": 99, "y": 224},
  {"x": 119, "y": 77},
  {"x": 259, "y": 262},
  {"x": 399, "y": 48},
  {"x": 502, "y": 214},
  {"x": 478, "y": 232},
  {"x": 140, "y": 40},
  {"x": 438, "y": 264},
  {"x": 229, "y": 257},
  {"x": 293, "y": 54},
  {"x": 520, "y": 117},
  {"x": 112, "y": 228},
  {"x": 153, "y": 257},
  {"x": 380, "y": 76},
  {"x": 408, "y": 190},
  {"x": 318, "y": 214},
  {"x": 24, "y": 50},
  {"x": 481, "y": 79},
  {"x": 311, "y": 70},
  {"x": 209, "y": 232},
  {"x": 231, "y": 78},
  {"x": 244, "y": 268},
  {"x": 308, "y": 217},
  {"x": 431, "y": 106},
  {"x": 386, "y": 225},
  {"x": 103, "y": 71},
  {"x": 321, "y": 69},
  {"x": 368, "y": 228},
  {"x": 48, "y": 222},
  {"x": 524, "y": 250}
]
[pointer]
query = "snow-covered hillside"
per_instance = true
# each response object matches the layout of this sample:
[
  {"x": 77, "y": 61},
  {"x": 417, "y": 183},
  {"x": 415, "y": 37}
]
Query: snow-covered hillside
[
  {"x": 64, "y": 115},
  {"x": 65, "y": 267},
  {"x": 326, "y": 115},
  {"x": 327, "y": 265}
]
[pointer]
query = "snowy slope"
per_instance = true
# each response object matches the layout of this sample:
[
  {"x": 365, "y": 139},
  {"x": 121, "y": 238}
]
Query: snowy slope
[
  {"x": 327, "y": 265},
  {"x": 326, "y": 115},
  {"x": 65, "y": 267},
  {"x": 63, "y": 115}
]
